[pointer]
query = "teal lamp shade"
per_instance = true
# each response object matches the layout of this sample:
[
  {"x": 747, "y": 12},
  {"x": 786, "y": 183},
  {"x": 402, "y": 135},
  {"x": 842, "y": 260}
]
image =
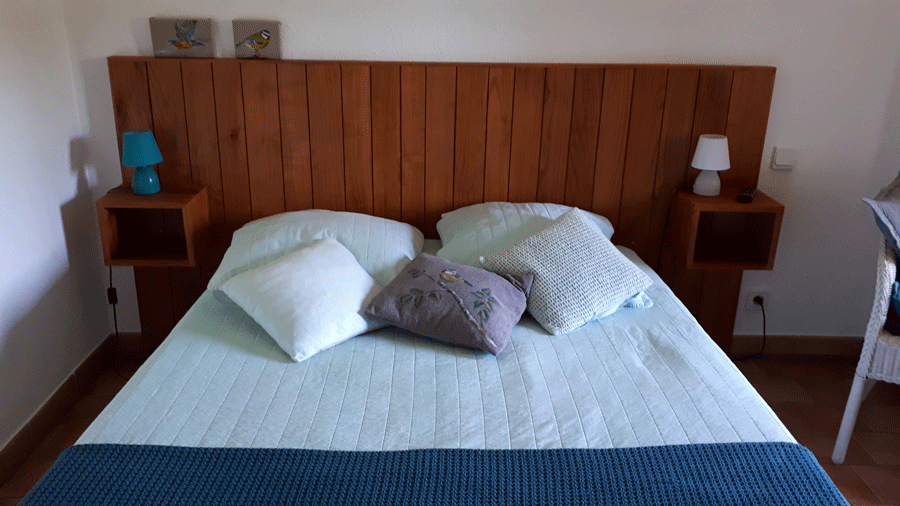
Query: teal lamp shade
[{"x": 139, "y": 150}]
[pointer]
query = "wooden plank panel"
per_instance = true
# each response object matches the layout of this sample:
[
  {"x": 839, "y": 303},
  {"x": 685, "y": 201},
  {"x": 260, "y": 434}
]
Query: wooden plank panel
[
  {"x": 524, "y": 158},
  {"x": 647, "y": 101},
  {"x": 187, "y": 286},
  {"x": 612, "y": 141},
  {"x": 170, "y": 130},
  {"x": 674, "y": 152},
  {"x": 412, "y": 131},
  {"x": 687, "y": 284},
  {"x": 294, "y": 136},
  {"x": 556, "y": 125},
  {"x": 131, "y": 107},
  {"x": 156, "y": 309},
  {"x": 260, "y": 83},
  {"x": 471, "y": 118},
  {"x": 499, "y": 133},
  {"x": 582, "y": 156},
  {"x": 440, "y": 124},
  {"x": 131, "y": 101},
  {"x": 357, "y": 111},
  {"x": 187, "y": 282},
  {"x": 711, "y": 111},
  {"x": 326, "y": 135},
  {"x": 203, "y": 142},
  {"x": 170, "y": 124},
  {"x": 232, "y": 142},
  {"x": 718, "y": 305},
  {"x": 386, "y": 149},
  {"x": 748, "y": 116}
]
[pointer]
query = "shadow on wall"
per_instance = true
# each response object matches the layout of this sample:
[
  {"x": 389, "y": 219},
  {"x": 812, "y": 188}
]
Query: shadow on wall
[
  {"x": 887, "y": 158},
  {"x": 82, "y": 234},
  {"x": 101, "y": 151},
  {"x": 43, "y": 339},
  {"x": 67, "y": 321},
  {"x": 102, "y": 146}
]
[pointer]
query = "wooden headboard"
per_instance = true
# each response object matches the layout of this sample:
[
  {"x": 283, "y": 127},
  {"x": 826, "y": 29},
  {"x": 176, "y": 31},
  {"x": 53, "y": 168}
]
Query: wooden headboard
[{"x": 409, "y": 141}]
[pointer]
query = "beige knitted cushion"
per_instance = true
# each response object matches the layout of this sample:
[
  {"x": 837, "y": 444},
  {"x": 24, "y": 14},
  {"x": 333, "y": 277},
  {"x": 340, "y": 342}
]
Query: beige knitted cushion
[{"x": 578, "y": 273}]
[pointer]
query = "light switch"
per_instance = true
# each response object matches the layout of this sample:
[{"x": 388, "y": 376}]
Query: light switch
[{"x": 784, "y": 159}]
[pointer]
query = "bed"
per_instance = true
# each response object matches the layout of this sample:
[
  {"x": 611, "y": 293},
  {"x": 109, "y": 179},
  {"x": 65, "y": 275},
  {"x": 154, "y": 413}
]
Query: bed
[
  {"x": 655, "y": 379},
  {"x": 639, "y": 407},
  {"x": 640, "y": 378}
]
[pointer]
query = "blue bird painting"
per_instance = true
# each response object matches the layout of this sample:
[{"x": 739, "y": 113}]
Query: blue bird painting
[{"x": 184, "y": 35}]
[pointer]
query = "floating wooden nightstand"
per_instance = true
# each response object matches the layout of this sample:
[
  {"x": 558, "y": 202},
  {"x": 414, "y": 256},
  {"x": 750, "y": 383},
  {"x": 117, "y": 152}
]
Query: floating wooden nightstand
[
  {"x": 166, "y": 229},
  {"x": 723, "y": 234},
  {"x": 710, "y": 242}
]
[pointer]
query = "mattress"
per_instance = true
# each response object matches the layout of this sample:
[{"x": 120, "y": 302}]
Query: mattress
[{"x": 641, "y": 377}]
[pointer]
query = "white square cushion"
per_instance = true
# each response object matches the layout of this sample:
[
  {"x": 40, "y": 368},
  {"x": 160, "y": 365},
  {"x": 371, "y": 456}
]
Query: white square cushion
[
  {"x": 471, "y": 232},
  {"x": 308, "y": 300},
  {"x": 578, "y": 273}
]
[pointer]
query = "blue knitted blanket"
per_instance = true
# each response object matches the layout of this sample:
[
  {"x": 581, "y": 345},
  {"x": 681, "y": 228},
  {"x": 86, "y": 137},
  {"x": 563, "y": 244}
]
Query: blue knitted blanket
[{"x": 733, "y": 474}]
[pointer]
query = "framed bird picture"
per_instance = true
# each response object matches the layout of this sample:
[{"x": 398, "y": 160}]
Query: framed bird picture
[
  {"x": 256, "y": 39},
  {"x": 180, "y": 38}
]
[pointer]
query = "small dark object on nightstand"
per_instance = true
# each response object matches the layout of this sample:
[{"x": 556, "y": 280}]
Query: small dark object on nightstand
[{"x": 746, "y": 195}]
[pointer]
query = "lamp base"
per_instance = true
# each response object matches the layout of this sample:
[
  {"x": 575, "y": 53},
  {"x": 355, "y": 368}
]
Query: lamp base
[
  {"x": 145, "y": 181},
  {"x": 707, "y": 183}
]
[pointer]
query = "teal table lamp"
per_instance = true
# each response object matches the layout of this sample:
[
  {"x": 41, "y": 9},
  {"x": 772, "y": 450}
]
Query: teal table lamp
[{"x": 139, "y": 150}]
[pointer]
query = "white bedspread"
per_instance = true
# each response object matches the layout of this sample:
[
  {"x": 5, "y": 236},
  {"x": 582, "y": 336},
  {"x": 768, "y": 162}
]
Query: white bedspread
[{"x": 647, "y": 376}]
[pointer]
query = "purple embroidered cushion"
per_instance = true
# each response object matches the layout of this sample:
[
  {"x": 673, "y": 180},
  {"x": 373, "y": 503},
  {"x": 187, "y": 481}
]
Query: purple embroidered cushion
[{"x": 452, "y": 303}]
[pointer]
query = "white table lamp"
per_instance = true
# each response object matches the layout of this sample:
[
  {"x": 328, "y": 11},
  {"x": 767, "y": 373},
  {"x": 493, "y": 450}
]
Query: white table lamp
[{"x": 710, "y": 157}]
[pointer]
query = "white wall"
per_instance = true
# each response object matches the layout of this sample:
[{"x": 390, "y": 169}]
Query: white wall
[
  {"x": 837, "y": 99},
  {"x": 52, "y": 310},
  {"x": 837, "y": 95}
]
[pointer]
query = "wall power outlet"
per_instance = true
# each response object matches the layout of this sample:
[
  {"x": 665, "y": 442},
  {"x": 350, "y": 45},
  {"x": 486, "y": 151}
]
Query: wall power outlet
[{"x": 749, "y": 305}]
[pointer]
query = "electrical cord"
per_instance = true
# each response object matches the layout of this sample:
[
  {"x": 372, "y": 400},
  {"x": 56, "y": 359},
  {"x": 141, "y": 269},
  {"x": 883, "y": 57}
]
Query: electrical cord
[
  {"x": 763, "y": 308},
  {"x": 113, "y": 300},
  {"x": 662, "y": 241},
  {"x": 759, "y": 302}
]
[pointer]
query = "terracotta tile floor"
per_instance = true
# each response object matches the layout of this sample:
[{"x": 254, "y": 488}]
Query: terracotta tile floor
[{"x": 808, "y": 394}]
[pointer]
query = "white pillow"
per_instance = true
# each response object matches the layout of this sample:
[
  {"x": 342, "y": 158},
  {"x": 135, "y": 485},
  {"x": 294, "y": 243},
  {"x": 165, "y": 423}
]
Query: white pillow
[
  {"x": 493, "y": 227},
  {"x": 381, "y": 246},
  {"x": 578, "y": 274},
  {"x": 308, "y": 300}
]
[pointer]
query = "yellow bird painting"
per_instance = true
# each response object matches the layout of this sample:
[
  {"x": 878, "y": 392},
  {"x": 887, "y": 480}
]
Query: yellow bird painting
[{"x": 256, "y": 42}]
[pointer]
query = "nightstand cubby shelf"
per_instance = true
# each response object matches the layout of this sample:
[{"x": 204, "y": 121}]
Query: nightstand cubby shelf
[
  {"x": 165, "y": 229},
  {"x": 719, "y": 233}
]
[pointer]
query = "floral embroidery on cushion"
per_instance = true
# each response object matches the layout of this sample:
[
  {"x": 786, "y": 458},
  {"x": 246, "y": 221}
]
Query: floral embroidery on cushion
[
  {"x": 484, "y": 303},
  {"x": 417, "y": 297}
]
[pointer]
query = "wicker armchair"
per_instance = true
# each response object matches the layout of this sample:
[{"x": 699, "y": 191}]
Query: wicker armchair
[{"x": 880, "y": 357}]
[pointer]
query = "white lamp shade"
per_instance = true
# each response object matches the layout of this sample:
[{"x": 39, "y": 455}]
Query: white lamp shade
[{"x": 711, "y": 153}]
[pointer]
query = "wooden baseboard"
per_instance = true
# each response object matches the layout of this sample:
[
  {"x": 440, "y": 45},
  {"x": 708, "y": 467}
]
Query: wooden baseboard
[
  {"x": 839, "y": 346},
  {"x": 47, "y": 417}
]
